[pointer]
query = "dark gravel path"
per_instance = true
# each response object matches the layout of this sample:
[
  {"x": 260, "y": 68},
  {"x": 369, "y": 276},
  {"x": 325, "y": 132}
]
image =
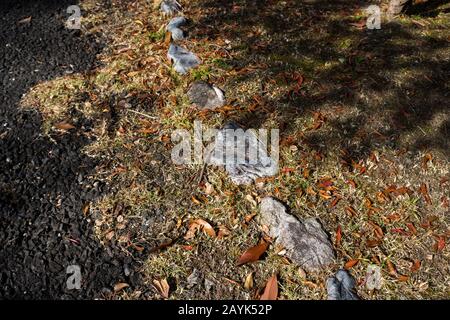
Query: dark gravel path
[{"x": 44, "y": 180}]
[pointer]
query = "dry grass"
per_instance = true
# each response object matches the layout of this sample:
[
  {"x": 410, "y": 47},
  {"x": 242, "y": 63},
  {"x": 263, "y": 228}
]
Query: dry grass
[{"x": 367, "y": 113}]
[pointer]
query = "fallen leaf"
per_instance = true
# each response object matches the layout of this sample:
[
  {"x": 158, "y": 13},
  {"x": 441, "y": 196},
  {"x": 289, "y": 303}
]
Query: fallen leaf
[
  {"x": 207, "y": 228},
  {"x": 163, "y": 287},
  {"x": 427, "y": 158},
  {"x": 119, "y": 286},
  {"x": 109, "y": 235},
  {"x": 249, "y": 217},
  {"x": 195, "y": 200},
  {"x": 209, "y": 189},
  {"x": 86, "y": 209},
  {"x": 334, "y": 202},
  {"x": 199, "y": 224},
  {"x": 352, "y": 183},
  {"x": 416, "y": 265},
  {"x": 64, "y": 126},
  {"x": 248, "y": 284},
  {"x": 351, "y": 211},
  {"x": 223, "y": 232},
  {"x": 440, "y": 243},
  {"x": 25, "y": 20},
  {"x": 253, "y": 254},
  {"x": 373, "y": 243},
  {"x": 338, "y": 236},
  {"x": 377, "y": 229},
  {"x": 411, "y": 228},
  {"x": 402, "y": 278},
  {"x": 271, "y": 290},
  {"x": 424, "y": 192},
  {"x": 391, "y": 268},
  {"x": 351, "y": 263}
]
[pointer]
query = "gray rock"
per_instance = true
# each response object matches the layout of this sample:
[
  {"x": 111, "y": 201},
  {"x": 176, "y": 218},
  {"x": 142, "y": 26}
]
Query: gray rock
[
  {"x": 245, "y": 159},
  {"x": 206, "y": 96},
  {"x": 174, "y": 27},
  {"x": 306, "y": 243},
  {"x": 183, "y": 60},
  {"x": 170, "y": 6},
  {"x": 341, "y": 286},
  {"x": 373, "y": 277},
  {"x": 194, "y": 278}
]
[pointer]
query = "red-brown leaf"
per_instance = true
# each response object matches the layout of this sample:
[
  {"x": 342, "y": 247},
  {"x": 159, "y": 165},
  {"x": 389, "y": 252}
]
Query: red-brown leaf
[
  {"x": 338, "y": 236},
  {"x": 351, "y": 263},
  {"x": 271, "y": 290},
  {"x": 253, "y": 254}
]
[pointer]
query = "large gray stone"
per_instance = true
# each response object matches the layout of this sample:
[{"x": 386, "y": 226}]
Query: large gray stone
[
  {"x": 248, "y": 167},
  {"x": 170, "y": 6},
  {"x": 206, "y": 96},
  {"x": 306, "y": 243},
  {"x": 341, "y": 286},
  {"x": 174, "y": 27},
  {"x": 183, "y": 60}
]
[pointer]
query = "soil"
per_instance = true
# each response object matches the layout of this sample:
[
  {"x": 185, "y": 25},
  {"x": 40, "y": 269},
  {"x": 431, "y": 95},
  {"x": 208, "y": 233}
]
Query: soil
[{"x": 44, "y": 180}]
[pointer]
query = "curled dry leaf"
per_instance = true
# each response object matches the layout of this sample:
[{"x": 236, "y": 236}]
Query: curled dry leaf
[
  {"x": 338, "y": 236},
  {"x": 223, "y": 232},
  {"x": 64, "y": 126},
  {"x": 253, "y": 254},
  {"x": 440, "y": 243},
  {"x": 392, "y": 269},
  {"x": 209, "y": 188},
  {"x": 352, "y": 212},
  {"x": 271, "y": 290},
  {"x": 416, "y": 265},
  {"x": 199, "y": 224},
  {"x": 163, "y": 287},
  {"x": 119, "y": 286},
  {"x": 424, "y": 192}
]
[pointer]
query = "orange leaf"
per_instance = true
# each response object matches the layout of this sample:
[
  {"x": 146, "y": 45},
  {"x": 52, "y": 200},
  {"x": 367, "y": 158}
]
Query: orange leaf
[
  {"x": 351, "y": 264},
  {"x": 377, "y": 229},
  {"x": 440, "y": 244},
  {"x": 373, "y": 243},
  {"x": 411, "y": 228},
  {"x": 428, "y": 157},
  {"x": 195, "y": 200},
  {"x": 402, "y": 278},
  {"x": 207, "y": 228},
  {"x": 424, "y": 192},
  {"x": 271, "y": 290},
  {"x": 253, "y": 254},
  {"x": 391, "y": 268},
  {"x": 338, "y": 236},
  {"x": 351, "y": 211},
  {"x": 334, "y": 202},
  {"x": 352, "y": 183}
]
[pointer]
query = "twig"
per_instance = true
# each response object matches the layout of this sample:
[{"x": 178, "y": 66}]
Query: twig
[{"x": 142, "y": 114}]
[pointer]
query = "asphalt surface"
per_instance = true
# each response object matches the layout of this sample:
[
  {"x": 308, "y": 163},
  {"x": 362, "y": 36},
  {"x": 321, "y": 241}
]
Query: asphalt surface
[{"x": 44, "y": 180}]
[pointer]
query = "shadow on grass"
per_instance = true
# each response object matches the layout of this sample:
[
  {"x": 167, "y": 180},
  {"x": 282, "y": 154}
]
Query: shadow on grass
[
  {"x": 389, "y": 83},
  {"x": 45, "y": 179}
]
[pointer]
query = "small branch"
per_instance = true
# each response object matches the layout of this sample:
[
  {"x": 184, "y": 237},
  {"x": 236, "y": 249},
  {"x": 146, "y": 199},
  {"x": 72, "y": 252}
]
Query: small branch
[{"x": 142, "y": 114}]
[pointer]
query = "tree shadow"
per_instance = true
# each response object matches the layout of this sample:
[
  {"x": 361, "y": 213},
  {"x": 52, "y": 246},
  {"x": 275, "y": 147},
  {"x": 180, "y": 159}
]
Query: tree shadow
[
  {"x": 45, "y": 179},
  {"x": 389, "y": 83}
]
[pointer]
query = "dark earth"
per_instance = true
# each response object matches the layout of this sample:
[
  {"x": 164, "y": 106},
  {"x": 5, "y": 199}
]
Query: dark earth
[{"x": 42, "y": 226}]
